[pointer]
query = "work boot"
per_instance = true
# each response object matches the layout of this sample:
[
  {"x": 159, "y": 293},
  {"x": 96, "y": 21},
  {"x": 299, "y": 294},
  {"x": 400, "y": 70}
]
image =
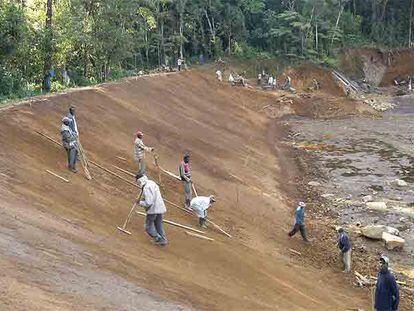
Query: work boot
[
  {"x": 202, "y": 223},
  {"x": 160, "y": 241},
  {"x": 73, "y": 170}
]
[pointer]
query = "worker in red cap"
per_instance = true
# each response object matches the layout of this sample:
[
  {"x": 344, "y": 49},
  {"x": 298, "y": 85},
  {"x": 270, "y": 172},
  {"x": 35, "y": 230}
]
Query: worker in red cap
[{"x": 139, "y": 151}]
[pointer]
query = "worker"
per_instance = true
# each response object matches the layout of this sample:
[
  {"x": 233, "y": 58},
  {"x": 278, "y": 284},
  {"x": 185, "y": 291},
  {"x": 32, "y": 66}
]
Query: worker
[
  {"x": 274, "y": 84},
  {"x": 344, "y": 246},
  {"x": 259, "y": 79},
  {"x": 179, "y": 63},
  {"x": 199, "y": 205},
  {"x": 316, "y": 85},
  {"x": 219, "y": 75},
  {"x": 287, "y": 84},
  {"x": 270, "y": 81},
  {"x": 231, "y": 79},
  {"x": 154, "y": 205},
  {"x": 185, "y": 175},
  {"x": 387, "y": 295},
  {"x": 69, "y": 143},
  {"x": 139, "y": 151},
  {"x": 73, "y": 124},
  {"x": 299, "y": 222}
]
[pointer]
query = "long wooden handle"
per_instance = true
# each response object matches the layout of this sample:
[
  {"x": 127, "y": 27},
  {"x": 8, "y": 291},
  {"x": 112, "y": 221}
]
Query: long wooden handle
[{"x": 175, "y": 224}]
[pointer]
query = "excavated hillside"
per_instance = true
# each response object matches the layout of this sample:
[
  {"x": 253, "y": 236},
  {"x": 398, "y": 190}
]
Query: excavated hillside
[{"x": 59, "y": 246}]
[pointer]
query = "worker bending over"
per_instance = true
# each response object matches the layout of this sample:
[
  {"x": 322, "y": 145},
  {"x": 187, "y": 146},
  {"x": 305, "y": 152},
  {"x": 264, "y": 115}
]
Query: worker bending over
[
  {"x": 154, "y": 205},
  {"x": 139, "y": 152},
  {"x": 199, "y": 205}
]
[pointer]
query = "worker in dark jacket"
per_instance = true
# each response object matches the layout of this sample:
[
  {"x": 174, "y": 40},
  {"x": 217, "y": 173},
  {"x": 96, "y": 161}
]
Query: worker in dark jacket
[
  {"x": 299, "y": 222},
  {"x": 69, "y": 143},
  {"x": 387, "y": 295},
  {"x": 345, "y": 249},
  {"x": 73, "y": 125}
]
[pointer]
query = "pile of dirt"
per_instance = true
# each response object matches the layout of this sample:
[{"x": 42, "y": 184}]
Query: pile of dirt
[
  {"x": 379, "y": 67},
  {"x": 303, "y": 75},
  {"x": 58, "y": 241},
  {"x": 400, "y": 65}
]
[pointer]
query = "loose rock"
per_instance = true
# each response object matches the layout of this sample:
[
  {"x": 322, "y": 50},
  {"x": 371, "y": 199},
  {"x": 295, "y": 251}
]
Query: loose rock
[
  {"x": 377, "y": 205},
  {"x": 376, "y": 231},
  {"x": 400, "y": 183},
  {"x": 367, "y": 198},
  {"x": 392, "y": 241}
]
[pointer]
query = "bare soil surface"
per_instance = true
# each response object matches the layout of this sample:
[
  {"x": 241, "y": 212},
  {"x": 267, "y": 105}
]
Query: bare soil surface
[{"x": 60, "y": 249}]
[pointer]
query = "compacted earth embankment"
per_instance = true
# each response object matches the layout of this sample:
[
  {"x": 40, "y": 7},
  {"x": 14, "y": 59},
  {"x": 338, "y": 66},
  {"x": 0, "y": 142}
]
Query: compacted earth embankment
[{"x": 59, "y": 245}]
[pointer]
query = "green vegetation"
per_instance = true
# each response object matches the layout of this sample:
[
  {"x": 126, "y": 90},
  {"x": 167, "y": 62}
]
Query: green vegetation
[{"x": 91, "y": 41}]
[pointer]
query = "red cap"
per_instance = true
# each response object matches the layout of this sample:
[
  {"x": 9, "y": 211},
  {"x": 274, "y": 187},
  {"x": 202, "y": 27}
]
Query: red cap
[{"x": 139, "y": 133}]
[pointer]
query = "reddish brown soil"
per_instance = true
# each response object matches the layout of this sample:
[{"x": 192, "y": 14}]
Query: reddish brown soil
[
  {"x": 398, "y": 62},
  {"x": 402, "y": 64},
  {"x": 58, "y": 241},
  {"x": 303, "y": 75}
]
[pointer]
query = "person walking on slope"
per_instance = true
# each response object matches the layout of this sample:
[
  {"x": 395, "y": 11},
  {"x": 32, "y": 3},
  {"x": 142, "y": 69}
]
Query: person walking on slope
[
  {"x": 154, "y": 206},
  {"x": 299, "y": 222},
  {"x": 73, "y": 125},
  {"x": 139, "y": 152},
  {"x": 200, "y": 205},
  {"x": 387, "y": 295},
  {"x": 345, "y": 249},
  {"x": 179, "y": 63},
  {"x": 185, "y": 175},
  {"x": 69, "y": 143}
]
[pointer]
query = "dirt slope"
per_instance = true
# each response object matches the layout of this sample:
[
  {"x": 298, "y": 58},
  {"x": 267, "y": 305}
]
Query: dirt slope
[{"x": 59, "y": 246}]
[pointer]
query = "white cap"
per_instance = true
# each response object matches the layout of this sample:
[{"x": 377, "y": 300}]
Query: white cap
[{"x": 302, "y": 204}]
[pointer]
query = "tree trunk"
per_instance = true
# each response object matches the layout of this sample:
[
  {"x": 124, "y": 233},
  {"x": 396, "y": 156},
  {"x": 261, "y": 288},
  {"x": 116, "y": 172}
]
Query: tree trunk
[
  {"x": 85, "y": 26},
  {"x": 210, "y": 26},
  {"x": 48, "y": 46},
  {"x": 341, "y": 9},
  {"x": 182, "y": 4},
  {"x": 146, "y": 47},
  {"x": 230, "y": 41},
  {"x": 162, "y": 60},
  {"x": 410, "y": 25},
  {"x": 181, "y": 36},
  {"x": 316, "y": 38}
]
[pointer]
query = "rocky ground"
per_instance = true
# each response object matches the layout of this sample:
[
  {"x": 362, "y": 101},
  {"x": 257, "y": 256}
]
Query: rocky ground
[{"x": 349, "y": 163}]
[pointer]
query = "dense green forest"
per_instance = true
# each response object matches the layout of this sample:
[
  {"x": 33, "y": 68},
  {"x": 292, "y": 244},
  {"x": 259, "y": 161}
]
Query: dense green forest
[{"x": 81, "y": 42}]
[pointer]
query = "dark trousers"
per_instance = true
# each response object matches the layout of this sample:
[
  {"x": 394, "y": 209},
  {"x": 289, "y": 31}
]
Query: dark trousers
[
  {"x": 72, "y": 154},
  {"x": 153, "y": 226},
  {"x": 301, "y": 228}
]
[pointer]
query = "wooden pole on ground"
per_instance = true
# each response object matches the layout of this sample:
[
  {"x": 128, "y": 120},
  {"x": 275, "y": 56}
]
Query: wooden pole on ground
[
  {"x": 135, "y": 185},
  {"x": 56, "y": 175},
  {"x": 81, "y": 152},
  {"x": 124, "y": 171},
  {"x": 113, "y": 173},
  {"x": 175, "y": 224},
  {"x": 199, "y": 236}
]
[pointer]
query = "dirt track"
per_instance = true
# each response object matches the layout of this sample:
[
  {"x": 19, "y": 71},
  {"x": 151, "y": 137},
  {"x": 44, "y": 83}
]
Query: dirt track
[{"x": 58, "y": 241}]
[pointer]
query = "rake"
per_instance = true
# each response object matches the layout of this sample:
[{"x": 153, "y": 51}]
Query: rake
[{"x": 123, "y": 228}]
